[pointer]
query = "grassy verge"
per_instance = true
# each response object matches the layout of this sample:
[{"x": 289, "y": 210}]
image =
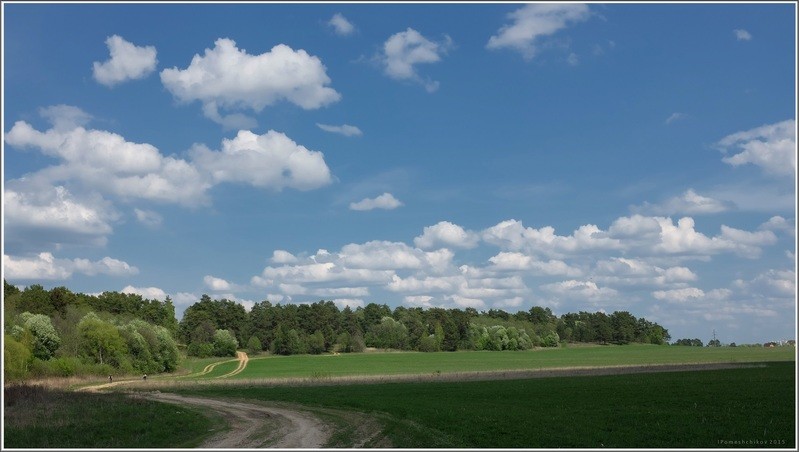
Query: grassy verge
[
  {"x": 394, "y": 363},
  {"x": 710, "y": 409},
  {"x": 38, "y": 417}
]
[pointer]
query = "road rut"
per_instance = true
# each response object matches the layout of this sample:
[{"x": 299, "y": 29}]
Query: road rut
[{"x": 255, "y": 426}]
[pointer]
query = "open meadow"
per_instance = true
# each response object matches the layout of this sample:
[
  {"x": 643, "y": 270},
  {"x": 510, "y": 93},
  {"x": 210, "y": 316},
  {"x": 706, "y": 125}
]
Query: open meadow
[{"x": 399, "y": 363}]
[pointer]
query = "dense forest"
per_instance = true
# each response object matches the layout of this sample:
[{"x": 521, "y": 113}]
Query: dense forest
[{"x": 58, "y": 332}]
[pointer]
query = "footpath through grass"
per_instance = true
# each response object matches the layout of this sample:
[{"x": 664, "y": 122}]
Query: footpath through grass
[
  {"x": 749, "y": 407},
  {"x": 394, "y": 363}
]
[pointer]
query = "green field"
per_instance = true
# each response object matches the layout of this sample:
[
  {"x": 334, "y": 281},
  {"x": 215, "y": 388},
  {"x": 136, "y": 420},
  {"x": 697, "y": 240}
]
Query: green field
[
  {"x": 662, "y": 410},
  {"x": 395, "y": 363},
  {"x": 37, "y": 417}
]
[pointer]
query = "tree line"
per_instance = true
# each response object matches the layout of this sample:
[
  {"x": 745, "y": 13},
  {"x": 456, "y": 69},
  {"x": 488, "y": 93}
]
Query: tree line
[
  {"x": 321, "y": 327},
  {"x": 58, "y": 332}
]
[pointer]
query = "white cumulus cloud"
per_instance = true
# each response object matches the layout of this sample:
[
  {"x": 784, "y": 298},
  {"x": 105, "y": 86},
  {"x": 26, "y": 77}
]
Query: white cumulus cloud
[
  {"x": 689, "y": 203},
  {"x": 283, "y": 257},
  {"x": 47, "y": 266},
  {"x": 229, "y": 78},
  {"x": 742, "y": 35},
  {"x": 771, "y": 147},
  {"x": 532, "y": 22},
  {"x": 150, "y": 293},
  {"x": 128, "y": 62},
  {"x": 216, "y": 284},
  {"x": 106, "y": 162},
  {"x": 46, "y": 216},
  {"x": 386, "y": 201},
  {"x": 406, "y": 49},
  {"x": 445, "y": 233},
  {"x": 341, "y": 25},
  {"x": 271, "y": 160}
]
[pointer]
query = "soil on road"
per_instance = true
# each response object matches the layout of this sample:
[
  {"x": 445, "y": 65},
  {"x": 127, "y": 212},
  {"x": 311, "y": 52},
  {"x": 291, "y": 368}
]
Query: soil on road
[{"x": 255, "y": 426}]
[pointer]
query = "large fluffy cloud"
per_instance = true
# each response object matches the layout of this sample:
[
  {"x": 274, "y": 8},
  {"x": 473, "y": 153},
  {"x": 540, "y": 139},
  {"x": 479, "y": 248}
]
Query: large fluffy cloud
[
  {"x": 512, "y": 235},
  {"x": 531, "y": 22},
  {"x": 406, "y": 49},
  {"x": 227, "y": 77},
  {"x": 128, "y": 62},
  {"x": 771, "y": 147},
  {"x": 271, "y": 160},
  {"x": 107, "y": 163},
  {"x": 44, "y": 217},
  {"x": 514, "y": 261},
  {"x": 448, "y": 234}
]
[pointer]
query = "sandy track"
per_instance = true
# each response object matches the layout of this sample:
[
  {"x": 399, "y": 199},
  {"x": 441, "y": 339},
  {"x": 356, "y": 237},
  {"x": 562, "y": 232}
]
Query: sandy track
[
  {"x": 243, "y": 359},
  {"x": 255, "y": 425}
]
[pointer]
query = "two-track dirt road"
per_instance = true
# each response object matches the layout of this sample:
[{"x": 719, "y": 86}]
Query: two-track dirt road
[
  {"x": 250, "y": 426},
  {"x": 255, "y": 426}
]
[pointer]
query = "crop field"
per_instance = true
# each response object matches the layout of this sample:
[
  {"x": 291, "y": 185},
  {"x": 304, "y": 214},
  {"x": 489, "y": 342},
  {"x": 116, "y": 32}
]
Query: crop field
[
  {"x": 697, "y": 408},
  {"x": 46, "y": 418},
  {"x": 398, "y": 363},
  {"x": 709, "y": 409}
]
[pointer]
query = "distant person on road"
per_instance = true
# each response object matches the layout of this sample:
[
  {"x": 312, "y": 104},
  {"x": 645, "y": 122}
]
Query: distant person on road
[
  {"x": 145, "y": 377},
  {"x": 110, "y": 379}
]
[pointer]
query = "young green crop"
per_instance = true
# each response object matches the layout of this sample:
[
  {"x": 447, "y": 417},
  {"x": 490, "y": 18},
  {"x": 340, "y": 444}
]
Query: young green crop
[
  {"x": 661, "y": 410},
  {"x": 394, "y": 363},
  {"x": 36, "y": 417}
]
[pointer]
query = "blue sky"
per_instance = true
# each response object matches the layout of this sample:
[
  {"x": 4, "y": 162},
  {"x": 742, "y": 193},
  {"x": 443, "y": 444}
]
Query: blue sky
[{"x": 636, "y": 157}]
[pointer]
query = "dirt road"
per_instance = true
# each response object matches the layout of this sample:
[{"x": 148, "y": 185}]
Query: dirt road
[
  {"x": 250, "y": 425},
  {"x": 254, "y": 425}
]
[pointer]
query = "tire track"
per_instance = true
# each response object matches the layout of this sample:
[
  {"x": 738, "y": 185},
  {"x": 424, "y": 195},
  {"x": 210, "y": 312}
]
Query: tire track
[
  {"x": 243, "y": 359},
  {"x": 209, "y": 368},
  {"x": 255, "y": 425}
]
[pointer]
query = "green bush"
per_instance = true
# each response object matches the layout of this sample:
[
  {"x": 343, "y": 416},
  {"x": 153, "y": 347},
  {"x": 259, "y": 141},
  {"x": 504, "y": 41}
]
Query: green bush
[
  {"x": 16, "y": 358},
  {"x": 200, "y": 350},
  {"x": 254, "y": 345},
  {"x": 46, "y": 340},
  {"x": 429, "y": 343},
  {"x": 225, "y": 343},
  {"x": 316, "y": 343}
]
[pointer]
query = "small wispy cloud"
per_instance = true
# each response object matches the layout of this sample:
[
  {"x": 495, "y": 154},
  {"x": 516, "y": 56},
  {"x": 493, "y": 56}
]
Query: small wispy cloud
[
  {"x": 341, "y": 25},
  {"x": 675, "y": 117},
  {"x": 742, "y": 35},
  {"x": 148, "y": 218},
  {"x": 385, "y": 201},
  {"x": 345, "y": 129}
]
